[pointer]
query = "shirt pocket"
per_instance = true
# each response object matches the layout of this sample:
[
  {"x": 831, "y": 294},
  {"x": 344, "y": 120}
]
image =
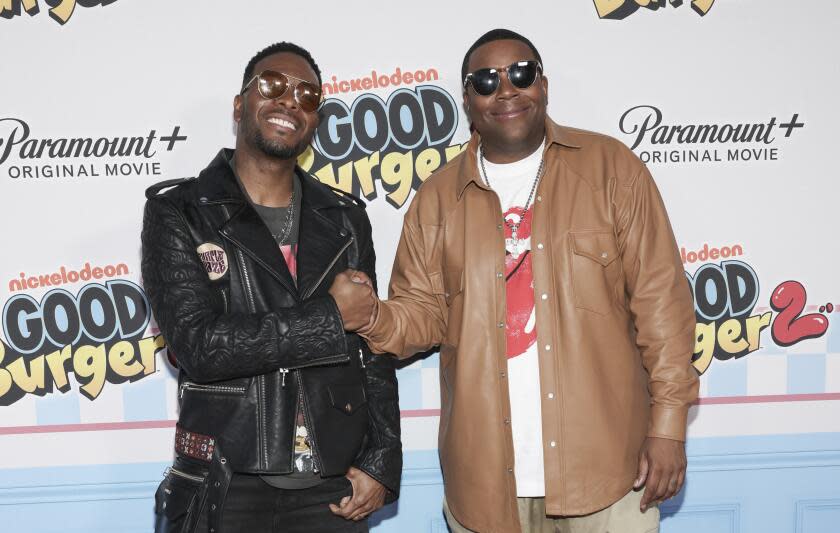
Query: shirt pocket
[{"x": 595, "y": 270}]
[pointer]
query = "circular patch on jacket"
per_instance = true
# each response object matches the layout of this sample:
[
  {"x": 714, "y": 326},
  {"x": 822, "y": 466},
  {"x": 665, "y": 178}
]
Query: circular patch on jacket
[{"x": 214, "y": 259}]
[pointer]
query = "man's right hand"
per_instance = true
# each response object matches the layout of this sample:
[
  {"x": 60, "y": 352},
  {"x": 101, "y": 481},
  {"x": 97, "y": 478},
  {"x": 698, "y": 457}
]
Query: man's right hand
[{"x": 356, "y": 300}]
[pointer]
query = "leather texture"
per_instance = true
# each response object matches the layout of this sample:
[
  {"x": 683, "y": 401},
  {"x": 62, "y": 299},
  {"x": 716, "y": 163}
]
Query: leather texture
[
  {"x": 249, "y": 341},
  {"x": 614, "y": 323}
]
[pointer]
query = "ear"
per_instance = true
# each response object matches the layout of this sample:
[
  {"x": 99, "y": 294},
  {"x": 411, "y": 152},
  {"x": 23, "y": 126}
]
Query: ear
[
  {"x": 237, "y": 108},
  {"x": 544, "y": 83}
]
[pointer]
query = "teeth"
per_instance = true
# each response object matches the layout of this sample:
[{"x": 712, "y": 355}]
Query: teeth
[{"x": 283, "y": 123}]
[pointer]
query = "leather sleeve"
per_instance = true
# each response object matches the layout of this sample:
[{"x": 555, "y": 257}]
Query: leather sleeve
[
  {"x": 212, "y": 346},
  {"x": 660, "y": 303},
  {"x": 382, "y": 457},
  {"x": 411, "y": 320}
]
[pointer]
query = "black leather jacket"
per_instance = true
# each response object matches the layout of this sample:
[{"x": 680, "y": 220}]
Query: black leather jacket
[{"x": 251, "y": 342}]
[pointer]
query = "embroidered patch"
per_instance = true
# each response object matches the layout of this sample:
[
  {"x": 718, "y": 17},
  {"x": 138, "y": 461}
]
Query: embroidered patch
[{"x": 214, "y": 259}]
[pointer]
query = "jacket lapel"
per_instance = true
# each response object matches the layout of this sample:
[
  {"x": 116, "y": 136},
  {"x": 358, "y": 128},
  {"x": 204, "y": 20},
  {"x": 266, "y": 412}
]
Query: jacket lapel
[
  {"x": 321, "y": 241},
  {"x": 248, "y": 232},
  {"x": 242, "y": 225}
]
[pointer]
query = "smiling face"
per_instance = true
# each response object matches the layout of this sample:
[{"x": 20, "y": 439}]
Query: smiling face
[
  {"x": 511, "y": 121},
  {"x": 278, "y": 128}
]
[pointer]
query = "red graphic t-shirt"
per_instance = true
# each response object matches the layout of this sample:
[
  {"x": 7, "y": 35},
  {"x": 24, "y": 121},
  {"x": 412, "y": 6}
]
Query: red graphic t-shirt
[{"x": 521, "y": 327}]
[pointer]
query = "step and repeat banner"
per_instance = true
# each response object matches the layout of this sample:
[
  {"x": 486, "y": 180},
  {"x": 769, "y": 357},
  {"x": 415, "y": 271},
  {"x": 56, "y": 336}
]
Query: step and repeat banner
[{"x": 731, "y": 104}]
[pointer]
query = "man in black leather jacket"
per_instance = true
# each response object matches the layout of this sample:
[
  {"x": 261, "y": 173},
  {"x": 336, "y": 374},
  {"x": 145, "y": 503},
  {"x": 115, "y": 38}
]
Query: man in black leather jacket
[{"x": 287, "y": 422}]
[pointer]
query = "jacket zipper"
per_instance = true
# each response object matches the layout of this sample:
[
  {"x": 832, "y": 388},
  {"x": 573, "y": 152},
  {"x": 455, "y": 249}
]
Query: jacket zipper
[
  {"x": 170, "y": 470},
  {"x": 187, "y": 385},
  {"x": 362, "y": 358},
  {"x": 306, "y": 421},
  {"x": 329, "y": 267},
  {"x": 261, "y": 378},
  {"x": 224, "y": 299}
]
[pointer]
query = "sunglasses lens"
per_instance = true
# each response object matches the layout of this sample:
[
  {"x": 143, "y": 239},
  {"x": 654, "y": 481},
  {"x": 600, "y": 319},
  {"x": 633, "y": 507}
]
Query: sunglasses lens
[
  {"x": 485, "y": 81},
  {"x": 308, "y": 96},
  {"x": 523, "y": 74},
  {"x": 272, "y": 84}
]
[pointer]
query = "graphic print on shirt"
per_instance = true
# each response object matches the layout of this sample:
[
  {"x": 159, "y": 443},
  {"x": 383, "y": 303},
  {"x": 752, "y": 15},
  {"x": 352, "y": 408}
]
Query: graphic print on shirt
[
  {"x": 521, "y": 316},
  {"x": 304, "y": 461}
]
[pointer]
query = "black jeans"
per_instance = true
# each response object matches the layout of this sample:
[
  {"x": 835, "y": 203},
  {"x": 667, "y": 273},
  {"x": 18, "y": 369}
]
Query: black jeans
[{"x": 254, "y": 506}]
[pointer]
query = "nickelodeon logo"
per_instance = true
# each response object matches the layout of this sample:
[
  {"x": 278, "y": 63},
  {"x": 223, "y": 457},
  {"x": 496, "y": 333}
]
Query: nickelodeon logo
[
  {"x": 64, "y": 276},
  {"x": 379, "y": 81},
  {"x": 706, "y": 253},
  {"x": 620, "y": 9},
  {"x": 61, "y": 11}
]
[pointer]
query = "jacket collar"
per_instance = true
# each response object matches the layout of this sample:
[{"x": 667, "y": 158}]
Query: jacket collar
[
  {"x": 468, "y": 170},
  {"x": 218, "y": 185},
  {"x": 320, "y": 238}
]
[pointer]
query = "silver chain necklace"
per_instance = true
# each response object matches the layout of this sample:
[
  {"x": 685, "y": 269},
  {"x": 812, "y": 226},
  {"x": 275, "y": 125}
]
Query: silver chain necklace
[
  {"x": 513, "y": 244},
  {"x": 288, "y": 223}
]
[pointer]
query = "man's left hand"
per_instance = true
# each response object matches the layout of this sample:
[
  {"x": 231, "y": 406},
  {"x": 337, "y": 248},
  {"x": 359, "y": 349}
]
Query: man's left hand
[
  {"x": 368, "y": 496},
  {"x": 661, "y": 470}
]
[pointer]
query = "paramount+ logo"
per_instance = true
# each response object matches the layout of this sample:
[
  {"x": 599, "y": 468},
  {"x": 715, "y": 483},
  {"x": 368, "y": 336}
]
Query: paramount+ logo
[
  {"x": 621, "y": 9},
  {"x": 59, "y": 10}
]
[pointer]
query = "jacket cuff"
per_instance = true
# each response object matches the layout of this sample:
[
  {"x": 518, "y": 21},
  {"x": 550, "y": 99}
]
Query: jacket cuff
[
  {"x": 668, "y": 422},
  {"x": 373, "y": 464},
  {"x": 376, "y": 333}
]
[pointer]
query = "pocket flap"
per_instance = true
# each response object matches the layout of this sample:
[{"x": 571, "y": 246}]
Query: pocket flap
[
  {"x": 347, "y": 398},
  {"x": 598, "y": 246},
  {"x": 176, "y": 496}
]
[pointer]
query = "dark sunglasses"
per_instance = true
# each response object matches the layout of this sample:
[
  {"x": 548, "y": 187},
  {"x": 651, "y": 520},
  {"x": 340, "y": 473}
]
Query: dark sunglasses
[
  {"x": 273, "y": 85},
  {"x": 521, "y": 74}
]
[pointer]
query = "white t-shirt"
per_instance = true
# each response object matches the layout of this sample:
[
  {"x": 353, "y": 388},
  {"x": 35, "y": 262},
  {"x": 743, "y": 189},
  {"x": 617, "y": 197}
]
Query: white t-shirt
[{"x": 512, "y": 182}]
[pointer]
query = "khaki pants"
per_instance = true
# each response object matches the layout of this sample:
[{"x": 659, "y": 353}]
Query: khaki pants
[{"x": 621, "y": 517}]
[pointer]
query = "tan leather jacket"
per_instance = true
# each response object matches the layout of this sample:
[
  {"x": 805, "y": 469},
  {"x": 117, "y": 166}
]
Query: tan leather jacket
[{"x": 615, "y": 325}]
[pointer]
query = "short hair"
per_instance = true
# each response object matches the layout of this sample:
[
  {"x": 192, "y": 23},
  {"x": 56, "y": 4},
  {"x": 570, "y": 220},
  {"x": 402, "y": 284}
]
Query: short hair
[
  {"x": 277, "y": 48},
  {"x": 499, "y": 34}
]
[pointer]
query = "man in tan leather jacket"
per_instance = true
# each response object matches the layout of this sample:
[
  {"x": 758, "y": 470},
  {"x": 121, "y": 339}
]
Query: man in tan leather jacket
[{"x": 554, "y": 242}]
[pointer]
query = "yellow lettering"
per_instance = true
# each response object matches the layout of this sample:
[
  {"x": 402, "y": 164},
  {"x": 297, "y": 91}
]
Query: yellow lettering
[
  {"x": 56, "y": 361},
  {"x": 345, "y": 176},
  {"x": 397, "y": 169},
  {"x": 427, "y": 162},
  {"x": 5, "y": 377},
  {"x": 754, "y": 326},
  {"x": 28, "y": 382},
  {"x": 90, "y": 362},
  {"x": 363, "y": 170},
  {"x": 121, "y": 360},
  {"x": 701, "y": 7},
  {"x": 619, "y": 9},
  {"x": 7, "y": 8},
  {"x": 704, "y": 344},
  {"x": 148, "y": 348},
  {"x": 729, "y": 337},
  {"x": 606, "y": 8},
  {"x": 453, "y": 151},
  {"x": 63, "y": 11}
]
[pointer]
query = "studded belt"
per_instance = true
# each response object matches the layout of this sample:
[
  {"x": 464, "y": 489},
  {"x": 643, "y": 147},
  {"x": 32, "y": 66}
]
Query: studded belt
[{"x": 194, "y": 445}]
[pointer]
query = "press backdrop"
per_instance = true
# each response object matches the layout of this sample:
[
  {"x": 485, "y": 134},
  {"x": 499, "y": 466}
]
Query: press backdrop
[{"x": 732, "y": 104}]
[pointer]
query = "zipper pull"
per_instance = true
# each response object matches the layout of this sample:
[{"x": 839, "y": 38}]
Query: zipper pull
[
  {"x": 181, "y": 390},
  {"x": 283, "y": 373},
  {"x": 362, "y": 358}
]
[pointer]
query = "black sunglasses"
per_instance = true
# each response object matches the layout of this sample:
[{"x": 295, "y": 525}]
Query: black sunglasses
[{"x": 521, "y": 74}]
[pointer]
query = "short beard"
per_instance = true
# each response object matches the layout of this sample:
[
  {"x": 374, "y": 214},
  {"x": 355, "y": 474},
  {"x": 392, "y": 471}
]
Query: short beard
[{"x": 279, "y": 150}]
